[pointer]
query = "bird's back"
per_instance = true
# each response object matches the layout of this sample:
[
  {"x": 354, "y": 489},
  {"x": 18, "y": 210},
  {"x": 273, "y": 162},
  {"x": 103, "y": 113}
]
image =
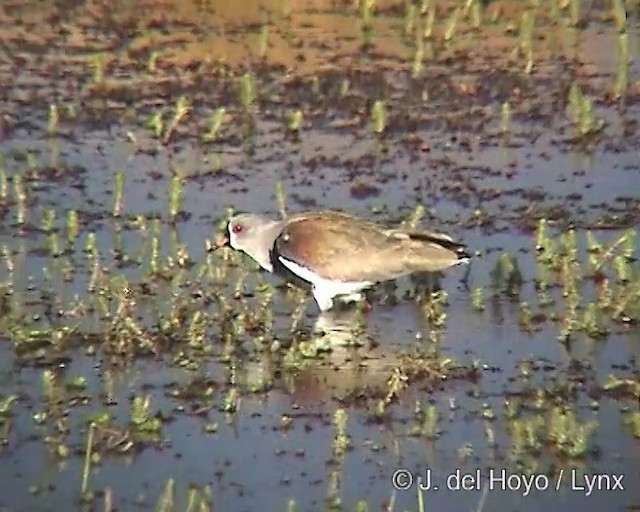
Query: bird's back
[{"x": 341, "y": 247}]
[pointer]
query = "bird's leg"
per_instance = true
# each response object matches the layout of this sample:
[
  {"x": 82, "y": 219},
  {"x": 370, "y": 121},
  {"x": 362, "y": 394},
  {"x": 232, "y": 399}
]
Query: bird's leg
[{"x": 465, "y": 277}]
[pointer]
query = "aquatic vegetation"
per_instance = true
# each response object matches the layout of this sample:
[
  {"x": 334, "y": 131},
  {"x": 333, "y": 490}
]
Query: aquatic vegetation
[
  {"x": 117, "y": 195},
  {"x": 574, "y": 12},
  {"x": 341, "y": 441},
  {"x": 476, "y": 13},
  {"x": 155, "y": 123},
  {"x": 582, "y": 114},
  {"x": 181, "y": 110},
  {"x": 505, "y": 113},
  {"x": 410, "y": 18},
  {"x": 263, "y": 41},
  {"x": 281, "y": 199},
  {"x": 54, "y": 118},
  {"x": 427, "y": 422},
  {"x": 379, "y": 117},
  {"x": 175, "y": 195},
  {"x": 567, "y": 434},
  {"x": 4, "y": 183},
  {"x": 430, "y": 21},
  {"x": 477, "y": 299},
  {"x": 98, "y": 63},
  {"x": 452, "y": 24},
  {"x": 367, "y": 13},
  {"x": 87, "y": 462},
  {"x": 294, "y": 120},
  {"x": 434, "y": 308},
  {"x": 20, "y": 194},
  {"x": 418, "y": 57},
  {"x": 247, "y": 91},
  {"x": 622, "y": 69},
  {"x": 215, "y": 123},
  {"x": 620, "y": 15},
  {"x": 152, "y": 62}
]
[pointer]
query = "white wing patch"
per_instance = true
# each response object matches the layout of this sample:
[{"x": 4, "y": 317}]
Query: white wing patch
[{"x": 325, "y": 290}]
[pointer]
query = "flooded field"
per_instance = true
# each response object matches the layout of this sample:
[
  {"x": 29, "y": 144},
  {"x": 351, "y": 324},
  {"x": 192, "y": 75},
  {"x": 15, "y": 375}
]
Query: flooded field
[{"x": 141, "y": 371}]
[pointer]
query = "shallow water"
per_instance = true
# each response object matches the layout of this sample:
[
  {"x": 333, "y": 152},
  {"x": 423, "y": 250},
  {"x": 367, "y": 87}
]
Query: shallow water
[{"x": 442, "y": 149}]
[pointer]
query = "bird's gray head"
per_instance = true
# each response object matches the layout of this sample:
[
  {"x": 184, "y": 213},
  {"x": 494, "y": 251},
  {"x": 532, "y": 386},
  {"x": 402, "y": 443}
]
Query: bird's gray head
[{"x": 254, "y": 235}]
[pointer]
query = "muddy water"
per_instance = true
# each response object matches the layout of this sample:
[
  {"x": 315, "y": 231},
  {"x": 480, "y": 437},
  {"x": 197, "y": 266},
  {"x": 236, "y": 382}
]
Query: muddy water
[{"x": 276, "y": 448}]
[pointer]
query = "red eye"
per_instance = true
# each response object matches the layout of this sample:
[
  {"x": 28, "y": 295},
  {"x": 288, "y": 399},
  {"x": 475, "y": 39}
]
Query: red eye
[{"x": 237, "y": 228}]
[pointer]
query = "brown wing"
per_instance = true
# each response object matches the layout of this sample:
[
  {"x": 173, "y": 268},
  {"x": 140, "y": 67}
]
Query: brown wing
[{"x": 338, "y": 246}]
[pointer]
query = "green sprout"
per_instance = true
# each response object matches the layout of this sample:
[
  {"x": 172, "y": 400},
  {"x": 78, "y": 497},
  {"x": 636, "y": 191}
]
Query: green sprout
[
  {"x": 505, "y": 114},
  {"x": 413, "y": 219},
  {"x": 294, "y": 120},
  {"x": 452, "y": 24},
  {"x": 344, "y": 87},
  {"x": 525, "y": 316},
  {"x": 583, "y": 117},
  {"x": 231, "y": 400},
  {"x": 341, "y": 440},
  {"x": 592, "y": 322},
  {"x": 428, "y": 423},
  {"x": 263, "y": 41},
  {"x": 119, "y": 189},
  {"x": 152, "y": 62},
  {"x": 411, "y": 12},
  {"x": 477, "y": 299},
  {"x": 525, "y": 45},
  {"x": 476, "y": 14},
  {"x": 589, "y": 123},
  {"x": 175, "y": 193},
  {"x": 154, "y": 259},
  {"x": 544, "y": 244},
  {"x": 141, "y": 418},
  {"x": 568, "y": 434},
  {"x": 620, "y": 15},
  {"x": 215, "y": 123},
  {"x": 418, "y": 57},
  {"x": 525, "y": 39},
  {"x": 247, "y": 91},
  {"x": 84, "y": 487},
  {"x": 366, "y": 12},
  {"x": 98, "y": 62},
  {"x": 21, "y": 199},
  {"x": 379, "y": 117},
  {"x": 156, "y": 124},
  {"x": 90, "y": 244},
  {"x": 54, "y": 118},
  {"x": 574, "y": 13},
  {"x": 166, "y": 499},
  {"x": 634, "y": 422},
  {"x": 366, "y": 21},
  {"x": 4, "y": 182},
  {"x": 181, "y": 110},
  {"x": 48, "y": 219},
  {"x": 281, "y": 199},
  {"x": 622, "y": 69},
  {"x": 429, "y": 23}
]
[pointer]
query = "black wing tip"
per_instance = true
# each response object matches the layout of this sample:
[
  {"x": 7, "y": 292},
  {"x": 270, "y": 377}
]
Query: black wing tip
[
  {"x": 462, "y": 252},
  {"x": 459, "y": 248}
]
